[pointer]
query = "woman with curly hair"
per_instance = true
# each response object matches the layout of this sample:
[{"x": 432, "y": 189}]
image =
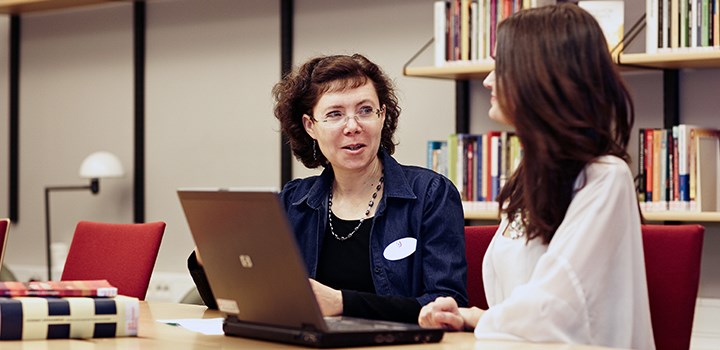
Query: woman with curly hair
[{"x": 379, "y": 239}]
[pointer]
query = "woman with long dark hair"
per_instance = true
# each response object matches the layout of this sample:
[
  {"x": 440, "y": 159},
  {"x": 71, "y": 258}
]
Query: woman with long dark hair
[{"x": 566, "y": 264}]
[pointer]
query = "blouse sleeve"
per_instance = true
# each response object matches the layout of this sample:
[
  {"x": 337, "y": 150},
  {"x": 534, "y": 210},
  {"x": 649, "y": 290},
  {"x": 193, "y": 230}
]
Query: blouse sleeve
[{"x": 590, "y": 286}]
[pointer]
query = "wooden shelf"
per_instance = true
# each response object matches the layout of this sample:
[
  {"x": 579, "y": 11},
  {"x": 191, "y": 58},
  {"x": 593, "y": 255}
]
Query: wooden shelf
[
  {"x": 482, "y": 215},
  {"x": 13, "y": 7},
  {"x": 454, "y": 71},
  {"x": 480, "y": 211},
  {"x": 682, "y": 216},
  {"x": 673, "y": 60},
  {"x": 631, "y": 61},
  {"x": 492, "y": 215}
]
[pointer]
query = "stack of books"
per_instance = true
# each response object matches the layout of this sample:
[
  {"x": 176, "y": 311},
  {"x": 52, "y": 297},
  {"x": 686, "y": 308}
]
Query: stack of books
[{"x": 65, "y": 309}]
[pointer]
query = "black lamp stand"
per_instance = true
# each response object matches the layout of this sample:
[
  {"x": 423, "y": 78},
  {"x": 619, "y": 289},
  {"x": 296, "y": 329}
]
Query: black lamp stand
[{"x": 94, "y": 187}]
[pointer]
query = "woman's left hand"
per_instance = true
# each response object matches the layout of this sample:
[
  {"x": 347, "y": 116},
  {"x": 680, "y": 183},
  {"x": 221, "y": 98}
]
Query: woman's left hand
[{"x": 330, "y": 300}]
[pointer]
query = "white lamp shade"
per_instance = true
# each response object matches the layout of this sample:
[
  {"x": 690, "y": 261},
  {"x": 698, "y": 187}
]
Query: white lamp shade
[{"x": 101, "y": 164}]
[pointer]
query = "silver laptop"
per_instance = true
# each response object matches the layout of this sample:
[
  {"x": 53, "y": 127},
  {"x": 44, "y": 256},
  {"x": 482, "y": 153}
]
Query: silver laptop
[{"x": 259, "y": 279}]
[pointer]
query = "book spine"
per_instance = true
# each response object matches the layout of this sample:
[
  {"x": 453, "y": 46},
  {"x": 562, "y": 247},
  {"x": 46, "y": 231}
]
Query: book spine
[
  {"x": 465, "y": 30},
  {"x": 495, "y": 166},
  {"x": 651, "y": 26},
  {"x": 649, "y": 165},
  {"x": 716, "y": 23},
  {"x": 440, "y": 19},
  {"x": 28, "y": 318},
  {"x": 641, "y": 166},
  {"x": 683, "y": 164},
  {"x": 676, "y": 168}
]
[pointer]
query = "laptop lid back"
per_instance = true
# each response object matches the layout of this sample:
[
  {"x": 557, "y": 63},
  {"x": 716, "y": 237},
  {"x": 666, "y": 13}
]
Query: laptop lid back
[{"x": 251, "y": 258}]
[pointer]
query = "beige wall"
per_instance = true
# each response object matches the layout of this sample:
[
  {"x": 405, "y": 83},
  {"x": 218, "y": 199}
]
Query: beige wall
[
  {"x": 210, "y": 67},
  {"x": 75, "y": 98}
]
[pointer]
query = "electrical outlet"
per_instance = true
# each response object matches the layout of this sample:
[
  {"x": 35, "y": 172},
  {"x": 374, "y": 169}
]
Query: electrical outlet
[{"x": 168, "y": 286}]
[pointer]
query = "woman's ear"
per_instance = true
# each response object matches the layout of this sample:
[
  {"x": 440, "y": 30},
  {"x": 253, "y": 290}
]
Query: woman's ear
[{"x": 309, "y": 125}]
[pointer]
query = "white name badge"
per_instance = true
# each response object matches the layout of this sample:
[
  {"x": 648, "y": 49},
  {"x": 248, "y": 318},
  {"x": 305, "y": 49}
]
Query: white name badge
[{"x": 400, "y": 249}]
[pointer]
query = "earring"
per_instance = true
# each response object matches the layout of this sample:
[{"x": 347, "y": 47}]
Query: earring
[{"x": 314, "y": 150}]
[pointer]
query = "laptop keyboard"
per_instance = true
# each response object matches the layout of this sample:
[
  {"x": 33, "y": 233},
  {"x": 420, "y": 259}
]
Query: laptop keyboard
[{"x": 359, "y": 324}]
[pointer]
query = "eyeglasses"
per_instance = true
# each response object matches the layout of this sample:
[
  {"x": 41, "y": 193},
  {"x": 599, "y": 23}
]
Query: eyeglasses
[{"x": 365, "y": 115}]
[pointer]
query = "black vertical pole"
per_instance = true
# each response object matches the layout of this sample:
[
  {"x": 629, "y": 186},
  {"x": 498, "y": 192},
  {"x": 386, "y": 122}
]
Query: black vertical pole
[
  {"x": 14, "y": 120},
  {"x": 139, "y": 68},
  {"x": 671, "y": 98},
  {"x": 286, "y": 50},
  {"x": 462, "y": 106}
]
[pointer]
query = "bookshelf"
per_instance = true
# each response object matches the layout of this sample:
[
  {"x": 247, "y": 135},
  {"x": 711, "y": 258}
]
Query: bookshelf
[
  {"x": 492, "y": 215},
  {"x": 627, "y": 62},
  {"x": 12, "y": 7}
]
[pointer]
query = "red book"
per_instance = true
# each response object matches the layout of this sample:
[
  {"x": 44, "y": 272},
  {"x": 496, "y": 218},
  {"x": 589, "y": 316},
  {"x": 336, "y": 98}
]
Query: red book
[{"x": 89, "y": 288}]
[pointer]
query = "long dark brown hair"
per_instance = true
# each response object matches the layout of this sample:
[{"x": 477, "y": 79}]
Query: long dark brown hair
[
  {"x": 297, "y": 94},
  {"x": 557, "y": 85}
]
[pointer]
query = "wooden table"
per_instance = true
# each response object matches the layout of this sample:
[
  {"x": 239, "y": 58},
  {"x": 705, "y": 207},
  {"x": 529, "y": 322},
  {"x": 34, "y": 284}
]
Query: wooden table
[{"x": 156, "y": 335}]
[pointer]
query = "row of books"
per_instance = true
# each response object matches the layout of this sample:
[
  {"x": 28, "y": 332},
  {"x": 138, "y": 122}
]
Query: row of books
[
  {"x": 65, "y": 309},
  {"x": 464, "y": 30},
  {"x": 680, "y": 25},
  {"x": 478, "y": 164},
  {"x": 678, "y": 168}
]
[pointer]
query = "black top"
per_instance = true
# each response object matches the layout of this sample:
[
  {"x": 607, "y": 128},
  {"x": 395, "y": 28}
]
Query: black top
[
  {"x": 346, "y": 264},
  {"x": 343, "y": 265}
]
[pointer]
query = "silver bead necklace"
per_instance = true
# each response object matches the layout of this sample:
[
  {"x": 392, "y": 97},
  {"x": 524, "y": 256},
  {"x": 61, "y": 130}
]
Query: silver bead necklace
[{"x": 367, "y": 212}]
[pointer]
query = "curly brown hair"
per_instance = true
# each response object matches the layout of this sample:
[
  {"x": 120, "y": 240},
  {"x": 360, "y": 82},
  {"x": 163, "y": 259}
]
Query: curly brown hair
[
  {"x": 559, "y": 88},
  {"x": 299, "y": 91}
]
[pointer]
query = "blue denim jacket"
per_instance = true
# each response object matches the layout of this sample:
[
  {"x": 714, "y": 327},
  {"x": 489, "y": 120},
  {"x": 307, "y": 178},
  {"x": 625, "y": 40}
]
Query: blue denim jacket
[{"x": 416, "y": 203}]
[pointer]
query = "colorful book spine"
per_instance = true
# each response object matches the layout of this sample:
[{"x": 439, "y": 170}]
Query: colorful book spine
[
  {"x": 87, "y": 288},
  {"x": 641, "y": 166},
  {"x": 28, "y": 318}
]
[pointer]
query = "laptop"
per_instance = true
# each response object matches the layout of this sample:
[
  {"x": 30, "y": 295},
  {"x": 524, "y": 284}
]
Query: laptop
[{"x": 259, "y": 280}]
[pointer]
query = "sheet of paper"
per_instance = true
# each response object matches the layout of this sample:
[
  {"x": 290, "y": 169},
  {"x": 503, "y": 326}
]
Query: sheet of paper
[{"x": 207, "y": 326}]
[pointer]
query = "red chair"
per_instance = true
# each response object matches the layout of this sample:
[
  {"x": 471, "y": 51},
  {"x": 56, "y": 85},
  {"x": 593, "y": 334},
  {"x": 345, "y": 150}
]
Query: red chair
[
  {"x": 477, "y": 239},
  {"x": 123, "y": 254},
  {"x": 672, "y": 265},
  {"x": 672, "y": 268},
  {"x": 4, "y": 230}
]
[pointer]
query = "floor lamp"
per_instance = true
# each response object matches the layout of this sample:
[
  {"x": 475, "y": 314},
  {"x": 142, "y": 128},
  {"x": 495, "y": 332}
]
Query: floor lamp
[{"x": 95, "y": 166}]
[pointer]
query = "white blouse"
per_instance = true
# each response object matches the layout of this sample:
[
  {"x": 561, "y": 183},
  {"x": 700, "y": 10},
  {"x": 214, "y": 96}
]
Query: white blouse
[{"x": 588, "y": 286}]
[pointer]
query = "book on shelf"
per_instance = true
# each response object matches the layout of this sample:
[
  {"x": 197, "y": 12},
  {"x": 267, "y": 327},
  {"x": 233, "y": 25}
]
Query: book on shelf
[
  {"x": 464, "y": 30},
  {"x": 28, "y": 318},
  {"x": 440, "y": 12},
  {"x": 682, "y": 25},
  {"x": 610, "y": 16},
  {"x": 81, "y": 288},
  {"x": 707, "y": 146},
  {"x": 680, "y": 169},
  {"x": 477, "y": 164}
]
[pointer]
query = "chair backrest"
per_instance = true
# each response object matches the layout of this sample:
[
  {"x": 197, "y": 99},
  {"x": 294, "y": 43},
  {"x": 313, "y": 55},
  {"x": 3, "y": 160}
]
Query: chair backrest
[
  {"x": 123, "y": 254},
  {"x": 672, "y": 265},
  {"x": 4, "y": 230},
  {"x": 672, "y": 268},
  {"x": 477, "y": 239}
]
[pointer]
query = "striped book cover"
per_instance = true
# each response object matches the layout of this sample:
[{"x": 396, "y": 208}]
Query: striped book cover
[
  {"x": 80, "y": 288},
  {"x": 26, "y": 318}
]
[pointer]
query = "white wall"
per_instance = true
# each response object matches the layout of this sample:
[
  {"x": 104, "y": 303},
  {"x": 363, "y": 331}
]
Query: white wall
[
  {"x": 75, "y": 98},
  {"x": 210, "y": 67}
]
